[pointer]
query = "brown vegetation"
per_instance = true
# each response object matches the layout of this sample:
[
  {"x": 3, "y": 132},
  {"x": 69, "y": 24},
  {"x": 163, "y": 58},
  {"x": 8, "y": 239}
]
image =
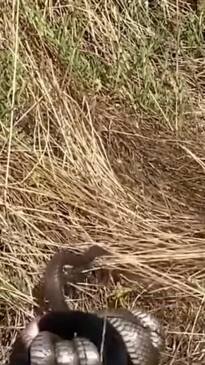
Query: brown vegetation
[{"x": 103, "y": 140}]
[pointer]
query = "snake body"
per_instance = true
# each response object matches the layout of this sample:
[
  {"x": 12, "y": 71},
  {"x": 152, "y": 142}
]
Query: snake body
[
  {"x": 130, "y": 338},
  {"x": 141, "y": 332},
  {"x": 64, "y": 350}
]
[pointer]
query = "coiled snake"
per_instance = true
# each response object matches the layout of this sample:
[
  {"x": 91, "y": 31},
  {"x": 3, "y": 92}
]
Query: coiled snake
[{"x": 139, "y": 332}]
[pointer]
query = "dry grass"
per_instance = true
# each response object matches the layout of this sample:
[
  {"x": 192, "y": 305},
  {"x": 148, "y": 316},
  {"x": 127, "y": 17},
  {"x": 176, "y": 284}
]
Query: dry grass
[{"x": 103, "y": 140}]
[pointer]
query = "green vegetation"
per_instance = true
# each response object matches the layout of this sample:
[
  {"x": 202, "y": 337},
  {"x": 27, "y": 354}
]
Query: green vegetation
[{"x": 102, "y": 118}]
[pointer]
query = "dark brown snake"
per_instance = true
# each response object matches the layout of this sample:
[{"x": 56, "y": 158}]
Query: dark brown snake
[{"x": 139, "y": 331}]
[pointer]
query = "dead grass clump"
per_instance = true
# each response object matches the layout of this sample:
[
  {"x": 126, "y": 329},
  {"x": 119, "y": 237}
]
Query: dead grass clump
[{"x": 102, "y": 140}]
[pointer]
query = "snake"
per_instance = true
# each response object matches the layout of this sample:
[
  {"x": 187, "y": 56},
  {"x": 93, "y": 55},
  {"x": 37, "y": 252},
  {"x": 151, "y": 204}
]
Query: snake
[
  {"x": 141, "y": 331},
  {"x": 131, "y": 337}
]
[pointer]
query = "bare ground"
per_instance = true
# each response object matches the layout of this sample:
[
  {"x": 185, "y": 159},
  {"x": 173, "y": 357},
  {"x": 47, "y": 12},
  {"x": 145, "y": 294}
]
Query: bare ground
[{"x": 103, "y": 141}]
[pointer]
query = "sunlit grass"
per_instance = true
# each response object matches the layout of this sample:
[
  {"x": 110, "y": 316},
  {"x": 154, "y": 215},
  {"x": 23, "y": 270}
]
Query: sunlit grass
[{"x": 102, "y": 140}]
